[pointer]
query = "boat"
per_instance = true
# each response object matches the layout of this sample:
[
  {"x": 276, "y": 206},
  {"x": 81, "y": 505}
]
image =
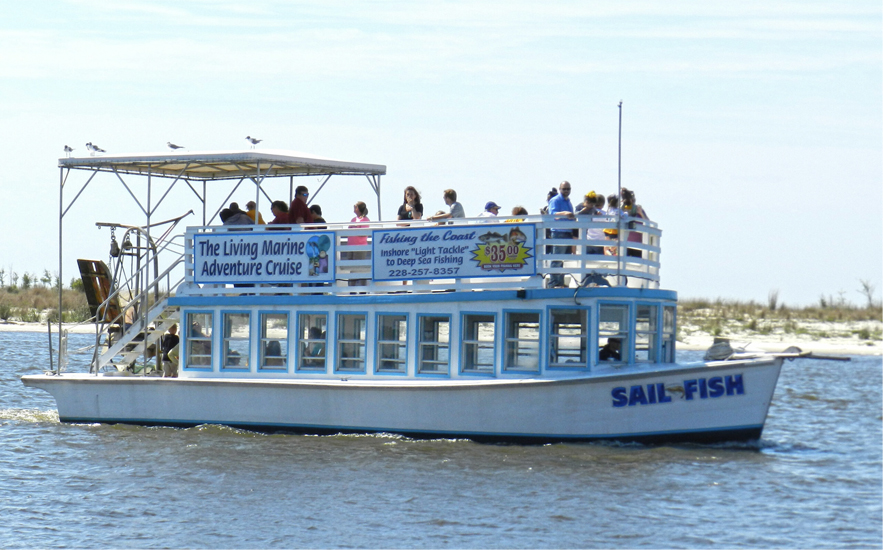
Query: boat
[{"x": 424, "y": 329}]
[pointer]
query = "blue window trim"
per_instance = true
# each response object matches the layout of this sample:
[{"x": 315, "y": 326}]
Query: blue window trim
[
  {"x": 298, "y": 354},
  {"x": 541, "y": 365},
  {"x": 337, "y": 343},
  {"x": 418, "y": 340},
  {"x": 462, "y": 339},
  {"x": 223, "y": 313},
  {"x": 591, "y": 343},
  {"x": 259, "y": 341},
  {"x": 184, "y": 354},
  {"x": 629, "y": 357},
  {"x": 674, "y": 335},
  {"x": 376, "y": 351},
  {"x": 658, "y": 331}
]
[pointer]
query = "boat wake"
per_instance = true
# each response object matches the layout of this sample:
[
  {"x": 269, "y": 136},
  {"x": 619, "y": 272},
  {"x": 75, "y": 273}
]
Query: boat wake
[{"x": 29, "y": 415}]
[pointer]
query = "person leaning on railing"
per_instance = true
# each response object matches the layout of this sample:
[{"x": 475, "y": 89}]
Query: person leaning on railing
[
  {"x": 634, "y": 212},
  {"x": 560, "y": 207}
]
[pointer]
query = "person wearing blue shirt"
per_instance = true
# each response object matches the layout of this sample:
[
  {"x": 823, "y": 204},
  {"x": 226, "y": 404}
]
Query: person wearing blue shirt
[{"x": 561, "y": 208}]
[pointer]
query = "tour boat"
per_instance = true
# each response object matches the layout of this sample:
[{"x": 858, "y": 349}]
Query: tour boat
[{"x": 426, "y": 329}]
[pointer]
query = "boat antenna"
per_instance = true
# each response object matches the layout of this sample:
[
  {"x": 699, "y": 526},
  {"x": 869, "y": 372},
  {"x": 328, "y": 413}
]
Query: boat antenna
[{"x": 619, "y": 198}]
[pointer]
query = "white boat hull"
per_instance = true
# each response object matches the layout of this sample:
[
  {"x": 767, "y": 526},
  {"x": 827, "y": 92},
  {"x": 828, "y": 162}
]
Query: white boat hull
[{"x": 723, "y": 401}]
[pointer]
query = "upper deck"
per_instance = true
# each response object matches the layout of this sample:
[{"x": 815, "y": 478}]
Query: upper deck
[{"x": 461, "y": 255}]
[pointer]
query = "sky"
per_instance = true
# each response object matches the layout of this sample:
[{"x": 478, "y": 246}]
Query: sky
[{"x": 752, "y": 132}]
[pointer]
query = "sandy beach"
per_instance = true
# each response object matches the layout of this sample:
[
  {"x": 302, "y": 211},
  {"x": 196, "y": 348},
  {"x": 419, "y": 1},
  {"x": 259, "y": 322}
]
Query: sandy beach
[{"x": 692, "y": 338}]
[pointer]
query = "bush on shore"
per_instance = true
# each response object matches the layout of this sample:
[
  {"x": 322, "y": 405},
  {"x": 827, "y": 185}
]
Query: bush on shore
[{"x": 37, "y": 303}]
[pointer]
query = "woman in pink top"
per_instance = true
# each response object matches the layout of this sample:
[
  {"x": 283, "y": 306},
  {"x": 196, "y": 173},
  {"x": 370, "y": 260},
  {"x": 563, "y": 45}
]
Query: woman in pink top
[{"x": 361, "y": 212}]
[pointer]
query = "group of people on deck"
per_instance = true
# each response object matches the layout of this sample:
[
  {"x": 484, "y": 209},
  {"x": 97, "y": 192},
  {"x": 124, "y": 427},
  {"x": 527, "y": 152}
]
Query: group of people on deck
[{"x": 558, "y": 204}]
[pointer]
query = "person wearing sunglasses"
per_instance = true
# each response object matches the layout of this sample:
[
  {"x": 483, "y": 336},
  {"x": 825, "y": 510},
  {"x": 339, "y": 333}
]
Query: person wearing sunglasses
[{"x": 299, "y": 212}]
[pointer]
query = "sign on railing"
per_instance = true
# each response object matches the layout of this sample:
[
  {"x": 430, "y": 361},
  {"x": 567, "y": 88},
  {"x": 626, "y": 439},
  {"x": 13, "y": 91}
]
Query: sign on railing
[
  {"x": 454, "y": 251},
  {"x": 266, "y": 257}
]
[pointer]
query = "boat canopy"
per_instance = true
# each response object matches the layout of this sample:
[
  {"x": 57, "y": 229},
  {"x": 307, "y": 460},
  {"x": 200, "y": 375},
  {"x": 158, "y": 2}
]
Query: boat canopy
[{"x": 222, "y": 165}]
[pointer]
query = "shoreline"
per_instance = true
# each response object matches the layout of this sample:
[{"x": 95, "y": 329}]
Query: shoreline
[{"x": 694, "y": 341}]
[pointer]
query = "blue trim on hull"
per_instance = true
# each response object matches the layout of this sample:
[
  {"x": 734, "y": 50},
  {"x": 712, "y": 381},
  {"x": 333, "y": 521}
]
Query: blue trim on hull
[
  {"x": 490, "y": 295},
  {"x": 708, "y": 435}
]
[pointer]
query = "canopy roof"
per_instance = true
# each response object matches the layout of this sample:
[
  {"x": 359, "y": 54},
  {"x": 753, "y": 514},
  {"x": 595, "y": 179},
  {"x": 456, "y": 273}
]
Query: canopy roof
[{"x": 221, "y": 165}]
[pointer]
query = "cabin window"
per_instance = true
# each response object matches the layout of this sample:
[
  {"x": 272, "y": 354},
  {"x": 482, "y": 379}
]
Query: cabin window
[
  {"x": 613, "y": 332},
  {"x": 274, "y": 341},
  {"x": 351, "y": 337},
  {"x": 568, "y": 338},
  {"x": 646, "y": 329},
  {"x": 311, "y": 341},
  {"x": 478, "y": 343},
  {"x": 199, "y": 340},
  {"x": 392, "y": 343},
  {"x": 668, "y": 334},
  {"x": 435, "y": 344},
  {"x": 236, "y": 340},
  {"x": 522, "y": 340}
]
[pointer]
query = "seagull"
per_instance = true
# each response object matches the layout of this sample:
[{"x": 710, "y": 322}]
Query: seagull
[
  {"x": 253, "y": 141},
  {"x": 172, "y": 146},
  {"x": 68, "y": 150},
  {"x": 97, "y": 148},
  {"x": 90, "y": 147}
]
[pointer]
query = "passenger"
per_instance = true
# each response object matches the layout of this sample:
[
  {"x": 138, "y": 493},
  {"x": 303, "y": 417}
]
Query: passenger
[
  {"x": 599, "y": 203},
  {"x": 280, "y": 210},
  {"x": 612, "y": 350},
  {"x": 172, "y": 371},
  {"x": 168, "y": 341},
  {"x": 593, "y": 234},
  {"x": 360, "y": 209},
  {"x": 545, "y": 210},
  {"x": 560, "y": 207},
  {"x": 517, "y": 211},
  {"x": 456, "y": 209},
  {"x": 273, "y": 354},
  {"x": 491, "y": 210},
  {"x": 316, "y": 211},
  {"x": 251, "y": 210},
  {"x": 634, "y": 212},
  {"x": 612, "y": 234},
  {"x": 411, "y": 208},
  {"x": 235, "y": 216},
  {"x": 299, "y": 212},
  {"x": 315, "y": 351}
]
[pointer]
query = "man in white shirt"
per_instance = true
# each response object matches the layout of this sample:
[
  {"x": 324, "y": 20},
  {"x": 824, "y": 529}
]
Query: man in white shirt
[{"x": 491, "y": 210}]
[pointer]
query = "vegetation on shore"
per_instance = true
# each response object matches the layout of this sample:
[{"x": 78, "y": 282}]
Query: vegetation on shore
[
  {"x": 830, "y": 318},
  {"x": 37, "y": 304}
]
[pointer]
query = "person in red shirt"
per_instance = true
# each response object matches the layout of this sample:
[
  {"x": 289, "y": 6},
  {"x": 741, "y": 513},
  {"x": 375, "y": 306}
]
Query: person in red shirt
[{"x": 299, "y": 212}]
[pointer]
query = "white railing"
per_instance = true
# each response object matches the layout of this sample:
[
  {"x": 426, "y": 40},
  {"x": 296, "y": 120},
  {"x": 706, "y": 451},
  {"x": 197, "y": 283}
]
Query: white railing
[{"x": 634, "y": 264}]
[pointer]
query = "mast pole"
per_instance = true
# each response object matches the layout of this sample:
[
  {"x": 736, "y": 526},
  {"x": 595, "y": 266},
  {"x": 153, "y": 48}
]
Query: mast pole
[
  {"x": 60, "y": 248},
  {"x": 619, "y": 198}
]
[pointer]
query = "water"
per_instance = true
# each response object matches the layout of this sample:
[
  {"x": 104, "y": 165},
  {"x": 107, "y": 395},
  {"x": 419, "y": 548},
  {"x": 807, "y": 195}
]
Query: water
[{"x": 813, "y": 481}]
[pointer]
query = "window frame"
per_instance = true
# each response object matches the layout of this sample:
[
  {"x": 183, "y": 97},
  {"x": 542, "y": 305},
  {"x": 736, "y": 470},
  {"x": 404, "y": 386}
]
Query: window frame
[
  {"x": 627, "y": 350},
  {"x": 654, "y": 333},
  {"x": 224, "y": 339},
  {"x": 668, "y": 353},
  {"x": 185, "y": 356},
  {"x": 494, "y": 344},
  {"x": 263, "y": 341},
  {"x": 506, "y": 340},
  {"x": 418, "y": 367},
  {"x": 588, "y": 335},
  {"x": 340, "y": 342},
  {"x": 299, "y": 354},
  {"x": 378, "y": 342}
]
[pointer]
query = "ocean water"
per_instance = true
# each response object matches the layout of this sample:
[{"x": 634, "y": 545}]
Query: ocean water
[{"x": 813, "y": 481}]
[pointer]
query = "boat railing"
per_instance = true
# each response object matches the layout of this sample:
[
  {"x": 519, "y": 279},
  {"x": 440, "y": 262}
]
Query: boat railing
[
  {"x": 139, "y": 303},
  {"x": 587, "y": 251}
]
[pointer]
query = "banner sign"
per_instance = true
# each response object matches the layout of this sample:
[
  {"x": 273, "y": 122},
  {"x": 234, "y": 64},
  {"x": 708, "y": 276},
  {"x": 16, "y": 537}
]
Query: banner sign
[
  {"x": 264, "y": 257},
  {"x": 480, "y": 250}
]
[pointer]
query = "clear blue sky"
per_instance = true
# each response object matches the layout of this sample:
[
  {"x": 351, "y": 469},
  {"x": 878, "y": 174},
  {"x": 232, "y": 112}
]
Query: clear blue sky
[{"x": 752, "y": 131}]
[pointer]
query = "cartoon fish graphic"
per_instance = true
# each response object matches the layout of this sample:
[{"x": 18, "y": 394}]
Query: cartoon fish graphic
[
  {"x": 517, "y": 236},
  {"x": 676, "y": 389},
  {"x": 492, "y": 237}
]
